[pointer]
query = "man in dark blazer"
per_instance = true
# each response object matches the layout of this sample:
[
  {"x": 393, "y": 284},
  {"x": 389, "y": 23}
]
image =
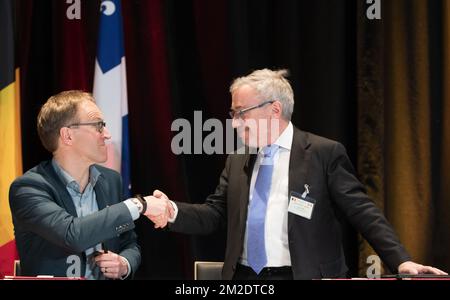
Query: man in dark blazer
[
  {"x": 311, "y": 179},
  {"x": 68, "y": 216}
]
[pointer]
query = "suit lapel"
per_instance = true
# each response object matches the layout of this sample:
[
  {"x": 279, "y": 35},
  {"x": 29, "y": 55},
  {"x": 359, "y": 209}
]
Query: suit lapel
[
  {"x": 100, "y": 194},
  {"x": 298, "y": 162},
  {"x": 57, "y": 183},
  {"x": 100, "y": 189},
  {"x": 246, "y": 176}
]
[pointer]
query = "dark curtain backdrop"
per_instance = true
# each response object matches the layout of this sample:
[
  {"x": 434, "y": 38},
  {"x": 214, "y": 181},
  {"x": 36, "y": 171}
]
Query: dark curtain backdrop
[
  {"x": 354, "y": 81},
  {"x": 403, "y": 127}
]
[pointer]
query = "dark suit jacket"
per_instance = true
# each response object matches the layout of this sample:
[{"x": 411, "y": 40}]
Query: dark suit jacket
[
  {"x": 47, "y": 228},
  {"x": 315, "y": 245}
]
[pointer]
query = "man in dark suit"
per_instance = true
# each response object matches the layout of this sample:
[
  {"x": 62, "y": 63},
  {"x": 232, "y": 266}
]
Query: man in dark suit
[
  {"x": 68, "y": 216},
  {"x": 280, "y": 204}
]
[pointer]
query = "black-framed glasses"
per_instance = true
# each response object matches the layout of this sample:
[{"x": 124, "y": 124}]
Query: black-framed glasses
[
  {"x": 240, "y": 113},
  {"x": 99, "y": 125}
]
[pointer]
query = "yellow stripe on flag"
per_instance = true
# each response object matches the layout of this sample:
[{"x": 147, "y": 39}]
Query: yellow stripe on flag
[{"x": 10, "y": 153}]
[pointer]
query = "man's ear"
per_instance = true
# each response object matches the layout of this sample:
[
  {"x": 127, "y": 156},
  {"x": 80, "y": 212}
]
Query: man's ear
[
  {"x": 277, "y": 108},
  {"x": 65, "y": 135}
]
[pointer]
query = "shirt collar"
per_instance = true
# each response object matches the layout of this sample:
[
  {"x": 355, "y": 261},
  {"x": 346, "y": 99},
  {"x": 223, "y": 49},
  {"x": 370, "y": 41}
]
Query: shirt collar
[
  {"x": 68, "y": 180},
  {"x": 285, "y": 139}
]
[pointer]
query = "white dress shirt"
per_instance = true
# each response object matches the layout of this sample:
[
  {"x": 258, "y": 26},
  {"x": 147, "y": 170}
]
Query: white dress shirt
[{"x": 276, "y": 237}]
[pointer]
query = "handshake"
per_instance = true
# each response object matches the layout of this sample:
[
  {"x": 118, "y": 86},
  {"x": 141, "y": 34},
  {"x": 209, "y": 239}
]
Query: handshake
[{"x": 159, "y": 209}]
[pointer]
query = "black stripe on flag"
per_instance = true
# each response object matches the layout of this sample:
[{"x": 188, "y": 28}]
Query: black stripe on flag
[{"x": 7, "y": 43}]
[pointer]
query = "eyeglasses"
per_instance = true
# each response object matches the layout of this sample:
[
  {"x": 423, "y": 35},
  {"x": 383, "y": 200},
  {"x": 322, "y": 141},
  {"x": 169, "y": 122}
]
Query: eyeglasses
[
  {"x": 240, "y": 113},
  {"x": 99, "y": 125}
]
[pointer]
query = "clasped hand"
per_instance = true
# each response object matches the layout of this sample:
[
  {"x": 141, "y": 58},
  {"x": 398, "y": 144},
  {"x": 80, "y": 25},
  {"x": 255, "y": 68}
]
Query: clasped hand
[{"x": 159, "y": 209}]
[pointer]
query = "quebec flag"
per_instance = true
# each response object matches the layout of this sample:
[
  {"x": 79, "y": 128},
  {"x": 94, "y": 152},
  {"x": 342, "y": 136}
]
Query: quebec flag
[{"x": 110, "y": 88}]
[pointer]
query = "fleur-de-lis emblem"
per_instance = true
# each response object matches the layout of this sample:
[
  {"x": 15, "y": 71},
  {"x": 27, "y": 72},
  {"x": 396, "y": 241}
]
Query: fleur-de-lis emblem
[{"x": 108, "y": 7}]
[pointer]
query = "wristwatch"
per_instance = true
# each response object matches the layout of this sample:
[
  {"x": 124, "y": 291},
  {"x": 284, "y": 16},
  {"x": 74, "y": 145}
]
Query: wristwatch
[{"x": 143, "y": 203}]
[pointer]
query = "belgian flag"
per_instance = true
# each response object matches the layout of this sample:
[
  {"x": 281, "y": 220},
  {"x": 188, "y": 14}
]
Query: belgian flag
[{"x": 10, "y": 140}]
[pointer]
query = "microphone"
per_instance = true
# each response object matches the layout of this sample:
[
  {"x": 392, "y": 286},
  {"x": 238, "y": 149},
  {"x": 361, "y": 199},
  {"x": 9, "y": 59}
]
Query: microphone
[{"x": 105, "y": 249}]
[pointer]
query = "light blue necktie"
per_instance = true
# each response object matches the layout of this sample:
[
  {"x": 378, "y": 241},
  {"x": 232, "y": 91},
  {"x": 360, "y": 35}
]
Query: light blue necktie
[{"x": 256, "y": 249}]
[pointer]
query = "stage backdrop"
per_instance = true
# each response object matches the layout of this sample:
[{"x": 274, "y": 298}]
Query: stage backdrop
[{"x": 377, "y": 86}]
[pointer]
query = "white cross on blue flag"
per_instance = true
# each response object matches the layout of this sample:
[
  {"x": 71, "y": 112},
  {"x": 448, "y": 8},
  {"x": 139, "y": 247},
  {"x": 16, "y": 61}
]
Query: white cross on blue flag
[{"x": 110, "y": 88}]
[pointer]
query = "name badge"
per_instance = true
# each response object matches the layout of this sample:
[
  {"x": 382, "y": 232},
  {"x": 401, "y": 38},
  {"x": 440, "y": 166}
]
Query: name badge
[{"x": 301, "y": 205}]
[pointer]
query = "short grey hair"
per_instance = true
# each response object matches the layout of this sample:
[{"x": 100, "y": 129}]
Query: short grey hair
[{"x": 270, "y": 85}]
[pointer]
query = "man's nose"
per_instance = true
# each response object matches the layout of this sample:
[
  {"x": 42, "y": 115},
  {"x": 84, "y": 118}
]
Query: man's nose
[{"x": 106, "y": 133}]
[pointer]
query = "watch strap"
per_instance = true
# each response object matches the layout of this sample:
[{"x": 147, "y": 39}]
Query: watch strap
[{"x": 143, "y": 202}]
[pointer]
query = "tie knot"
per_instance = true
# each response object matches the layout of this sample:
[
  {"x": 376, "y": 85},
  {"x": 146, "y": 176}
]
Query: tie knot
[
  {"x": 268, "y": 154},
  {"x": 269, "y": 151}
]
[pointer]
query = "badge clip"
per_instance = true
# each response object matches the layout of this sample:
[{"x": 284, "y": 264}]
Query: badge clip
[{"x": 306, "y": 192}]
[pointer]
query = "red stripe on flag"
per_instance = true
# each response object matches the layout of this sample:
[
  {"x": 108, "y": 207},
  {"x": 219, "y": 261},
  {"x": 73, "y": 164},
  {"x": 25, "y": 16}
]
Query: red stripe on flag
[{"x": 8, "y": 253}]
